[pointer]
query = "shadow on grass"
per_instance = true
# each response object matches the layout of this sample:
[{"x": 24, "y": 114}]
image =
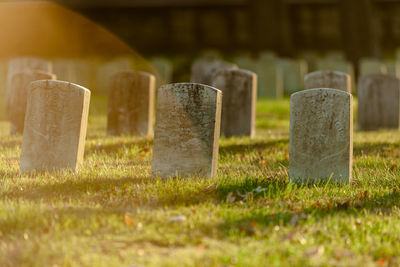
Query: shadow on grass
[
  {"x": 115, "y": 147},
  {"x": 276, "y": 191},
  {"x": 259, "y": 145},
  {"x": 113, "y": 192}
]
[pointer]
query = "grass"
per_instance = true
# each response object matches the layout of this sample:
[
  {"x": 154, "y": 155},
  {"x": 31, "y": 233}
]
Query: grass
[{"x": 111, "y": 213}]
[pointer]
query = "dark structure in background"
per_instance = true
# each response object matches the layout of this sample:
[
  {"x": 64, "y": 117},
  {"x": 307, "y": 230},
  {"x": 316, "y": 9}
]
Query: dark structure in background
[{"x": 358, "y": 27}]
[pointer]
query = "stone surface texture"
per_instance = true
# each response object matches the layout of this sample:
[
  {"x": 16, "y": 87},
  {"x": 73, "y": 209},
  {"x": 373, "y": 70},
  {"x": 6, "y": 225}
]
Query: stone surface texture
[
  {"x": 321, "y": 136},
  {"x": 239, "y": 88},
  {"x": 204, "y": 69},
  {"x": 16, "y": 105},
  {"x": 187, "y": 131},
  {"x": 55, "y": 126},
  {"x": 293, "y": 72},
  {"x": 131, "y": 103},
  {"x": 328, "y": 79},
  {"x": 378, "y": 102}
]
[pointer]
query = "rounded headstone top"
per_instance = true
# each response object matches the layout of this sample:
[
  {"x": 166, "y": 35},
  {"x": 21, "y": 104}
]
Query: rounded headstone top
[
  {"x": 54, "y": 84},
  {"x": 325, "y": 72},
  {"x": 185, "y": 85},
  {"x": 316, "y": 91}
]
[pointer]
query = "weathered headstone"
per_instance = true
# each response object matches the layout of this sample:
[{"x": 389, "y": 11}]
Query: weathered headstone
[
  {"x": 73, "y": 70},
  {"x": 164, "y": 68},
  {"x": 321, "y": 136},
  {"x": 55, "y": 126},
  {"x": 187, "y": 131},
  {"x": 378, "y": 102},
  {"x": 293, "y": 74},
  {"x": 107, "y": 69},
  {"x": 131, "y": 103},
  {"x": 393, "y": 67},
  {"x": 16, "y": 105},
  {"x": 270, "y": 79},
  {"x": 21, "y": 64},
  {"x": 239, "y": 88},
  {"x": 328, "y": 79},
  {"x": 203, "y": 70},
  {"x": 372, "y": 66}
]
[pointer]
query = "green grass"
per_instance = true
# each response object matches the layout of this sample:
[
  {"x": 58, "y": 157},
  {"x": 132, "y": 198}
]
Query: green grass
[{"x": 111, "y": 213}]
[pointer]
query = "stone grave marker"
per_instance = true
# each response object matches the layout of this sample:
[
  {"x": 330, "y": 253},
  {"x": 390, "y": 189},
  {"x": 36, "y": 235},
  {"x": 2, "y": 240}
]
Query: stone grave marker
[
  {"x": 18, "y": 97},
  {"x": 164, "y": 68},
  {"x": 321, "y": 136},
  {"x": 131, "y": 103},
  {"x": 203, "y": 70},
  {"x": 293, "y": 74},
  {"x": 73, "y": 70},
  {"x": 378, "y": 102},
  {"x": 187, "y": 131},
  {"x": 372, "y": 66},
  {"x": 107, "y": 69},
  {"x": 21, "y": 64},
  {"x": 270, "y": 79},
  {"x": 393, "y": 67},
  {"x": 239, "y": 88},
  {"x": 328, "y": 79},
  {"x": 55, "y": 126}
]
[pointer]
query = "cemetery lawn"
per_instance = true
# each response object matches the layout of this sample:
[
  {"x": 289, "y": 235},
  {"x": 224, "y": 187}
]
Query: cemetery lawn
[{"x": 111, "y": 213}]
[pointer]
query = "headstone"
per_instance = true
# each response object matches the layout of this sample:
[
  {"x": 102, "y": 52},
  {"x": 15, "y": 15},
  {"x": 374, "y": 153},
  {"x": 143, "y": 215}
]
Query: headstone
[
  {"x": 187, "y": 131},
  {"x": 270, "y": 79},
  {"x": 55, "y": 126},
  {"x": 321, "y": 136},
  {"x": 22, "y": 64},
  {"x": 393, "y": 67},
  {"x": 164, "y": 70},
  {"x": 378, "y": 102},
  {"x": 3, "y": 76},
  {"x": 203, "y": 70},
  {"x": 372, "y": 66},
  {"x": 239, "y": 88},
  {"x": 74, "y": 70},
  {"x": 328, "y": 79},
  {"x": 293, "y": 74},
  {"x": 18, "y": 97},
  {"x": 107, "y": 69},
  {"x": 131, "y": 103}
]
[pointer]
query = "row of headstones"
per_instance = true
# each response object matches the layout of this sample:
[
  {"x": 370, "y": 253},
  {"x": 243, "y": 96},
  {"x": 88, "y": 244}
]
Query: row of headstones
[
  {"x": 53, "y": 114},
  {"x": 88, "y": 72},
  {"x": 279, "y": 76},
  {"x": 188, "y": 124},
  {"x": 321, "y": 122}
]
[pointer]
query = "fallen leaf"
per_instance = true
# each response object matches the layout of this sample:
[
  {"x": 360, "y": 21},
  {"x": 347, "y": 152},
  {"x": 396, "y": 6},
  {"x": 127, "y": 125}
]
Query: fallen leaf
[
  {"x": 381, "y": 262},
  {"x": 393, "y": 167},
  {"x": 287, "y": 156},
  {"x": 210, "y": 188},
  {"x": 128, "y": 220},
  {"x": 240, "y": 155},
  {"x": 264, "y": 163},
  {"x": 146, "y": 149}
]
